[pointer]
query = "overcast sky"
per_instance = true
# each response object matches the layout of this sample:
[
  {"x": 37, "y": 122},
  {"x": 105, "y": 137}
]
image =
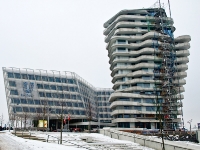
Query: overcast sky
[{"x": 67, "y": 35}]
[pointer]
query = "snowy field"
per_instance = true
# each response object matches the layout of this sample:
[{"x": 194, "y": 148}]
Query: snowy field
[{"x": 74, "y": 141}]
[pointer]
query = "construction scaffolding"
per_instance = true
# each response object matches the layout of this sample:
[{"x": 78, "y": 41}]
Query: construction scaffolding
[{"x": 166, "y": 74}]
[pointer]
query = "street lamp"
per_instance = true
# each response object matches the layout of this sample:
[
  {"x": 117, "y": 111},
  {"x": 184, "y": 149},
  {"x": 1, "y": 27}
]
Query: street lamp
[{"x": 190, "y": 121}]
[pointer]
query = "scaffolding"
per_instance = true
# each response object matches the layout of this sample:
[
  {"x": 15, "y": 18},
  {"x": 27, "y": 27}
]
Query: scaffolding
[{"x": 166, "y": 74}]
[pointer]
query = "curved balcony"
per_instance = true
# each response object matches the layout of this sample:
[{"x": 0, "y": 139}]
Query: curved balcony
[
  {"x": 135, "y": 81},
  {"x": 182, "y": 39},
  {"x": 139, "y": 66},
  {"x": 181, "y": 46},
  {"x": 129, "y": 103},
  {"x": 117, "y": 95},
  {"x": 179, "y": 60},
  {"x": 122, "y": 111},
  {"x": 140, "y": 73},
  {"x": 134, "y": 120}
]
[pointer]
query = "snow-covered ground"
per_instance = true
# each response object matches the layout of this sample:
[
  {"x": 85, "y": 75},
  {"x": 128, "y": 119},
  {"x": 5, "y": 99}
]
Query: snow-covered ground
[{"x": 72, "y": 140}]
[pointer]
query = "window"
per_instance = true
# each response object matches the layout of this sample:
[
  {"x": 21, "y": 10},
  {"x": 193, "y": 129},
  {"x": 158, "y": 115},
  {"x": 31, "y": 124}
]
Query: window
[
  {"x": 71, "y": 81},
  {"x": 18, "y": 109},
  {"x": 71, "y": 89},
  {"x": 57, "y": 103},
  {"x": 13, "y": 92},
  {"x": 150, "y": 108},
  {"x": 23, "y": 101},
  {"x": 145, "y": 69},
  {"x": 126, "y": 116},
  {"x": 30, "y": 101},
  {"x": 25, "y": 109},
  {"x": 67, "y": 96},
  {"x": 160, "y": 100},
  {"x": 65, "y": 88},
  {"x": 61, "y": 95},
  {"x": 38, "y": 77},
  {"x": 82, "y": 112},
  {"x": 44, "y": 78},
  {"x": 127, "y": 107},
  {"x": 10, "y": 75},
  {"x": 31, "y": 77},
  {"x": 57, "y": 79},
  {"x": 75, "y": 104},
  {"x": 51, "y": 79},
  {"x": 32, "y": 109},
  {"x": 46, "y": 86},
  {"x": 24, "y": 76},
  {"x": 12, "y": 83},
  {"x": 121, "y": 49},
  {"x": 99, "y": 104},
  {"x": 39, "y": 86},
  {"x": 41, "y": 94},
  {"x": 137, "y": 100},
  {"x": 76, "y": 112},
  {"x": 73, "y": 96},
  {"x": 37, "y": 102},
  {"x": 53, "y": 87},
  {"x": 48, "y": 94},
  {"x": 50, "y": 103},
  {"x": 59, "y": 88},
  {"x": 139, "y": 108},
  {"x": 39, "y": 110},
  {"x": 121, "y": 41},
  {"x": 17, "y": 75},
  {"x": 16, "y": 101},
  {"x": 58, "y": 111},
  {"x": 80, "y": 104},
  {"x": 149, "y": 100},
  {"x": 63, "y": 80},
  {"x": 69, "y": 104},
  {"x": 120, "y": 116},
  {"x": 124, "y": 99},
  {"x": 124, "y": 124},
  {"x": 78, "y": 97},
  {"x": 146, "y": 78},
  {"x": 54, "y": 95},
  {"x": 146, "y": 85}
]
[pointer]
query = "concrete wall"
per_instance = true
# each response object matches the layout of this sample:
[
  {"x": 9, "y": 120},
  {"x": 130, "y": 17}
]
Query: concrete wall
[
  {"x": 152, "y": 142},
  {"x": 198, "y": 135}
]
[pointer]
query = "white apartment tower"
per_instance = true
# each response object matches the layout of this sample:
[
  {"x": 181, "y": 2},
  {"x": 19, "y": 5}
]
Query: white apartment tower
[{"x": 148, "y": 66}]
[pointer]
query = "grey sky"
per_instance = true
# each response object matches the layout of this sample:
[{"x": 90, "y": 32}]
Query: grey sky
[{"x": 67, "y": 35}]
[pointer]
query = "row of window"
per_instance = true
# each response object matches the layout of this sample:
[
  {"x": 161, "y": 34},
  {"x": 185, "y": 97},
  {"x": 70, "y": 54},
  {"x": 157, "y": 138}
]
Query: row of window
[
  {"x": 57, "y": 95},
  {"x": 103, "y": 93},
  {"x": 104, "y": 110},
  {"x": 135, "y": 116},
  {"x": 139, "y": 108},
  {"x": 46, "y": 103},
  {"x": 104, "y": 104},
  {"x": 102, "y": 98},
  {"x": 54, "y": 87},
  {"x": 139, "y": 100},
  {"x": 55, "y": 111},
  {"x": 105, "y": 116},
  {"x": 40, "y": 78}
]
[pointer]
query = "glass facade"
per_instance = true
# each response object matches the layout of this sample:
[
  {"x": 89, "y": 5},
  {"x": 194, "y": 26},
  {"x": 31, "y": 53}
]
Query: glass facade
[{"x": 35, "y": 92}]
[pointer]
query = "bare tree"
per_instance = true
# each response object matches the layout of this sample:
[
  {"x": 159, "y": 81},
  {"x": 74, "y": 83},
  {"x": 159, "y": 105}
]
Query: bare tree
[{"x": 89, "y": 115}]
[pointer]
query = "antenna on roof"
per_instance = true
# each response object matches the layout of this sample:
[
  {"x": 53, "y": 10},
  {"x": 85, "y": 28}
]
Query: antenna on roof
[{"x": 169, "y": 8}]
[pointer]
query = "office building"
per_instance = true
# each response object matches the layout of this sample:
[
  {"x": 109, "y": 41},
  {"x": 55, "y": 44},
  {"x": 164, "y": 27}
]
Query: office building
[{"x": 46, "y": 95}]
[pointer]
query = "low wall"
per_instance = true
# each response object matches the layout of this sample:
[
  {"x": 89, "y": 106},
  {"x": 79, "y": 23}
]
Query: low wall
[
  {"x": 148, "y": 141},
  {"x": 198, "y": 135}
]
